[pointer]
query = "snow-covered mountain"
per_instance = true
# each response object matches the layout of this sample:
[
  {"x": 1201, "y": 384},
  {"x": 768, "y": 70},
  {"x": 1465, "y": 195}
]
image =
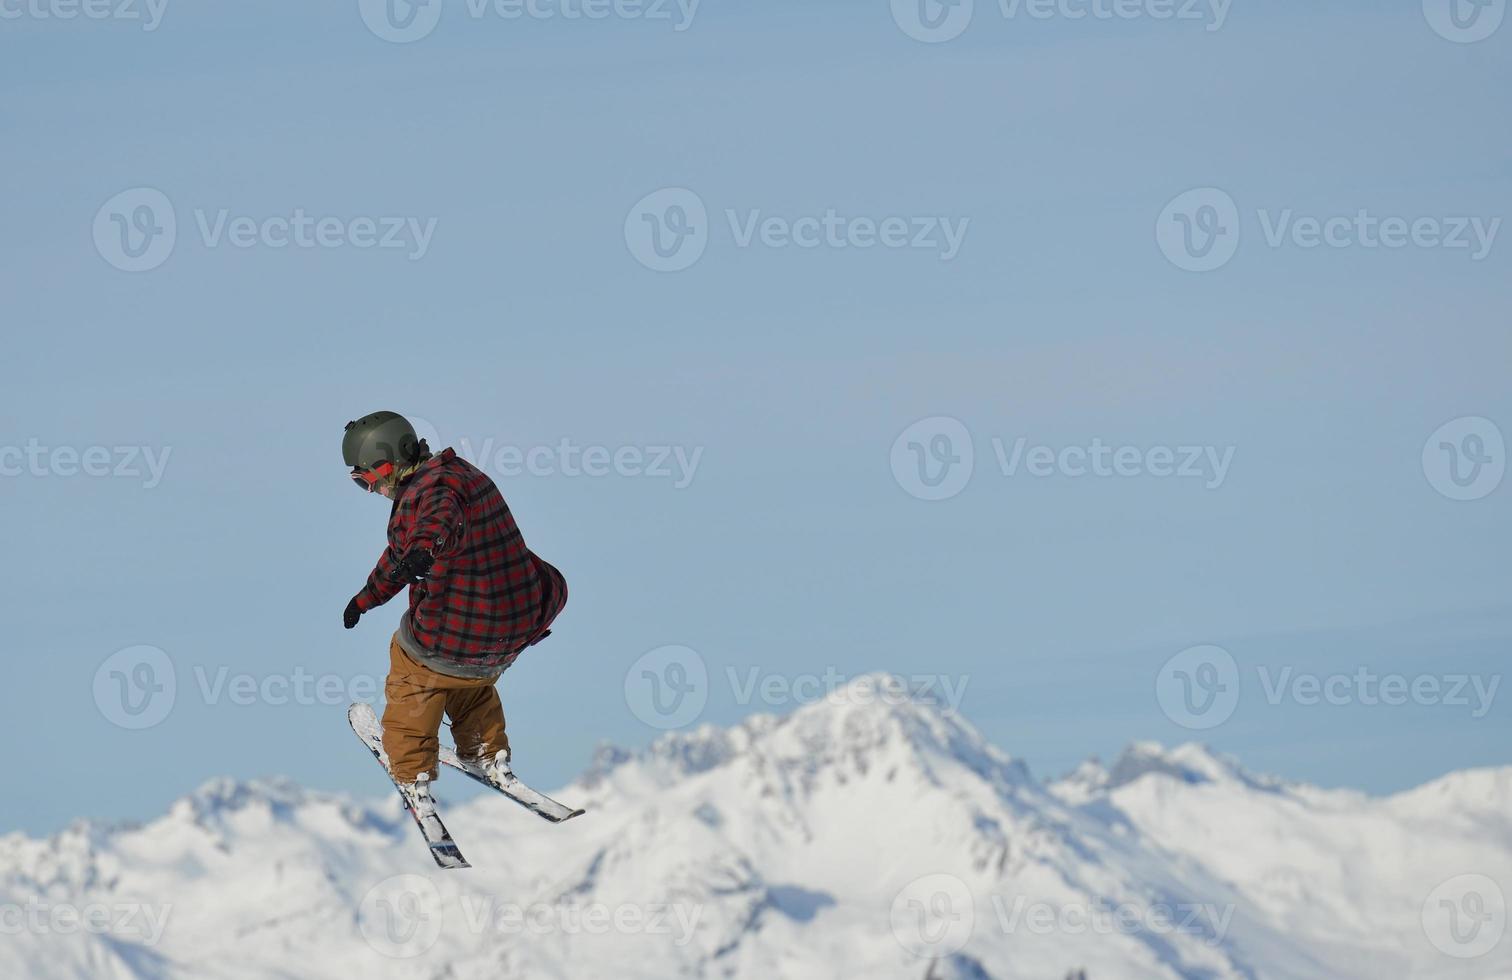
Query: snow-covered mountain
[{"x": 868, "y": 835}]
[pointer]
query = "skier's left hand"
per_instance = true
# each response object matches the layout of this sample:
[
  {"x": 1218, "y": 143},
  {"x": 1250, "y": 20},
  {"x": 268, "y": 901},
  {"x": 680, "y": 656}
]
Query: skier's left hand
[
  {"x": 351, "y": 614},
  {"x": 415, "y": 566}
]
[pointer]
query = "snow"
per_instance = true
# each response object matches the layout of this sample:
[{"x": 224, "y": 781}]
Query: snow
[{"x": 863, "y": 835}]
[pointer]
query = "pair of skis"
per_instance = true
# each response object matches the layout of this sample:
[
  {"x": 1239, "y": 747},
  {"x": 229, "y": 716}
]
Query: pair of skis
[{"x": 445, "y": 851}]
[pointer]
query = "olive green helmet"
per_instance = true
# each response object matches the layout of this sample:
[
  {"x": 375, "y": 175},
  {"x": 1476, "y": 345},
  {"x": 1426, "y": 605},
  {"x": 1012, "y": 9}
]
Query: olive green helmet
[{"x": 382, "y": 437}]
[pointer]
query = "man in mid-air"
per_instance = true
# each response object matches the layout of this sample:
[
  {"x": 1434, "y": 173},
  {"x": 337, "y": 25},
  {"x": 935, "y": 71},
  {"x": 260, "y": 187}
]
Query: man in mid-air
[{"x": 478, "y": 597}]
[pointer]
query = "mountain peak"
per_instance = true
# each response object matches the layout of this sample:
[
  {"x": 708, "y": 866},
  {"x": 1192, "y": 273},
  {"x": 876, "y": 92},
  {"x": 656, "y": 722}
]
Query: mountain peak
[
  {"x": 223, "y": 795},
  {"x": 866, "y": 719},
  {"x": 1192, "y": 763},
  {"x": 879, "y": 708}
]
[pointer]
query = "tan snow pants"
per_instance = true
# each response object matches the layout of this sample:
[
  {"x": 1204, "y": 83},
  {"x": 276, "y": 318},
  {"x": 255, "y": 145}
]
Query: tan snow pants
[{"x": 417, "y": 697}]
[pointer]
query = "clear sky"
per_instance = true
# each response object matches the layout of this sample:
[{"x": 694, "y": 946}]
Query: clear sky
[{"x": 520, "y": 310}]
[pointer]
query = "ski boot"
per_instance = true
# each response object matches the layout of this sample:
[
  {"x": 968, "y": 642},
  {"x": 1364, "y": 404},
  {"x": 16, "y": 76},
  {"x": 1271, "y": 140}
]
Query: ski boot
[
  {"x": 419, "y": 795},
  {"x": 498, "y": 771}
]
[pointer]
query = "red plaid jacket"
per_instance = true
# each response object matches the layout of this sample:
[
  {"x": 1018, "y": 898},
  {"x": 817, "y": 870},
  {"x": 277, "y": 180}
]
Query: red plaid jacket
[{"x": 487, "y": 597}]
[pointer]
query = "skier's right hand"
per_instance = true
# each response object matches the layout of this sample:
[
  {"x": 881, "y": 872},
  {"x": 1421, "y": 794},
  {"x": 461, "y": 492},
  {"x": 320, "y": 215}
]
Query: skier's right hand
[{"x": 352, "y": 614}]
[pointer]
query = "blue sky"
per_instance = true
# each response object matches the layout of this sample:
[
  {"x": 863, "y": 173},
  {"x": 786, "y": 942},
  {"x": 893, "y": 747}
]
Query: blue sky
[{"x": 793, "y": 551}]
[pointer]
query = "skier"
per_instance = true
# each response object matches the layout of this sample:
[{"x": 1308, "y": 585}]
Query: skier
[{"x": 478, "y": 597}]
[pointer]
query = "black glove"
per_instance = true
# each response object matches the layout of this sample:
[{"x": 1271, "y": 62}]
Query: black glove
[
  {"x": 416, "y": 565},
  {"x": 351, "y": 615}
]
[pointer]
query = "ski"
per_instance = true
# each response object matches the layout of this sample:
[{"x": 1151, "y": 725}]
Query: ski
[
  {"x": 538, "y": 803},
  {"x": 365, "y": 723}
]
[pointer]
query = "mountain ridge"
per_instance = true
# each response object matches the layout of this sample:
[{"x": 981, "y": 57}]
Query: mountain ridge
[{"x": 853, "y": 836}]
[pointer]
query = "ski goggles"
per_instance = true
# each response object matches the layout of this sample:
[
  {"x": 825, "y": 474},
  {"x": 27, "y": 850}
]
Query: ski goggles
[{"x": 368, "y": 479}]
